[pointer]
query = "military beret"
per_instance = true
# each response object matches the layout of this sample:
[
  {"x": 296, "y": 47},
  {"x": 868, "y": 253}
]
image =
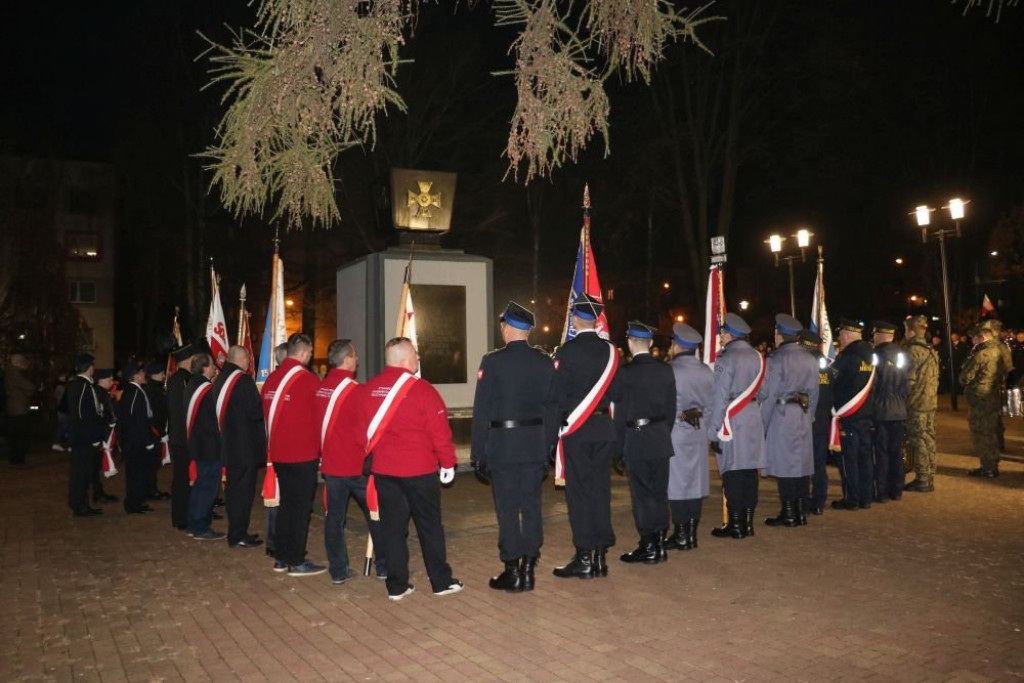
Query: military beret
[
  {"x": 517, "y": 316},
  {"x": 883, "y": 327},
  {"x": 183, "y": 353},
  {"x": 83, "y": 361},
  {"x": 587, "y": 307},
  {"x": 735, "y": 325},
  {"x": 685, "y": 336},
  {"x": 155, "y": 369},
  {"x": 851, "y": 325},
  {"x": 787, "y": 324},
  {"x": 809, "y": 340},
  {"x": 105, "y": 373},
  {"x": 638, "y": 330}
]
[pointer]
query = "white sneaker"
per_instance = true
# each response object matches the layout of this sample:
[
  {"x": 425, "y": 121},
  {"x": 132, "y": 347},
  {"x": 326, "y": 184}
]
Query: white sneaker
[
  {"x": 454, "y": 588},
  {"x": 408, "y": 591}
]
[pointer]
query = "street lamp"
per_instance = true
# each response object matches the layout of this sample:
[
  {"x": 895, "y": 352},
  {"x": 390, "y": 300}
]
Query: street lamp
[
  {"x": 923, "y": 216},
  {"x": 803, "y": 240}
]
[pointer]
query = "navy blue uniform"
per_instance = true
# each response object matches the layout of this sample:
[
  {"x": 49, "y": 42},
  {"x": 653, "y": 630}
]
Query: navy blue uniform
[
  {"x": 890, "y": 413},
  {"x": 853, "y": 368},
  {"x": 178, "y": 441}
]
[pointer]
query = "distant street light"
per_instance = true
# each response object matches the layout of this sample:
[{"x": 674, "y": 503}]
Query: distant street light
[
  {"x": 744, "y": 305},
  {"x": 803, "y": 240},
  {"x": 994, "y": 253},
  {"x": 666, "y": 285},
  {"x": 922, "y": 215},
  {"x": 899, "y": 261}
]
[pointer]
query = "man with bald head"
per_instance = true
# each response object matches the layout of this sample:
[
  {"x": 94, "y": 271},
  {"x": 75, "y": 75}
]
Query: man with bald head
[
  {"x": 403, "y": 423},
  {"x": 243, "y": 440}
]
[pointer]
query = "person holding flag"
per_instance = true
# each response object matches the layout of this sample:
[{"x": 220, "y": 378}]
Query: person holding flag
[
  {"x": 581, "y": 392},
  {"x": 734, "y": 426},
  {"x": 403, "y": 426},
  {"x": 137, "y": 438},
  {"x": 203, "y": 447},
  {"x": 293, "y": 448},
  {"x": 243, "y": 442},
  {"x": 342, "y": 460},
  {"x": 105, "y": 456},
  {"x": 852, "y": 410},
  {"x": 177, "y": 435}
]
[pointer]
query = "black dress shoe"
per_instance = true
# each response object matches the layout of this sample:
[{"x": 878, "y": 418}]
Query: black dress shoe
[
  {"x": 104, "y": 498},
  {"x": 247, "y": 543},
  {"x": 843, "y": 504},
  {"x": 601, "y": 562},
  {"x": 88, "y": 512},
  {"x": 580, "y": 566},
  {"x": 646, "y": 551},
  {"x": 984, "y": 473},
  {"x": 920, "y": 485},
  {"x": 510, "y": 580},
  {"x": 529, "y": 564},
  {"x": 881, "y": 500},
  {"x": 817, "y": 510}
]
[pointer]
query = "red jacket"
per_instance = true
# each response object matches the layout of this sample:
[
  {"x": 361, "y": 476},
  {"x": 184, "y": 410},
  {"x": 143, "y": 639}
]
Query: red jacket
[
  {"x": 418, "y": 439},
  {"x": 295, "y": 434},
  {"x": 343, "y": 451}
]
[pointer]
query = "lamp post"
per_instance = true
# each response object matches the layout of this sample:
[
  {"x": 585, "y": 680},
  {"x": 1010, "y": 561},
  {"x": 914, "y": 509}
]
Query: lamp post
[
  {"x": 803, "y": 240},
  {"x": 923, "y": 216}
]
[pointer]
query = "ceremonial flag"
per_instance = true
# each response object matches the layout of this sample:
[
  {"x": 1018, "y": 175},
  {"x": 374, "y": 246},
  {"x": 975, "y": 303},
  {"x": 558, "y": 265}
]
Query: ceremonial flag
[
  {"x": 216, "y": 325},
  {"x": 714, "y": 314},
  {"x": 819, "y": 316},
  {"x": 109, "y": 468},
  {"x": 584, "y": 280},
  {"x": 987, "y": 306},
  {"x": 172, "y": 365},
  {"x": 244, "y": 338},
  {"x": 406, "y": 326},
  {"x": 274, "y": 332}
]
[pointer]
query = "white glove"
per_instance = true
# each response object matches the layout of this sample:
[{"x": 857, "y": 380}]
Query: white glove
[
  {"x": 447, "y": 475},
  {"x": 165, "y": 438}
]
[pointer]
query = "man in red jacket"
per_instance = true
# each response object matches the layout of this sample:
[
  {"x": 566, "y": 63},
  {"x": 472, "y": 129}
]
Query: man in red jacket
[
  {"x": 405, "y": 422},
  {"x": 293, "y": 446},
  {"x": 343, "y": 454}
]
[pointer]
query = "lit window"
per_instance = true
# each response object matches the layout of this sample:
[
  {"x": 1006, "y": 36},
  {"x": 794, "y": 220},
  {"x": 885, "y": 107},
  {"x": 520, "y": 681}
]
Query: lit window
[{"x": 83, "y": 245}]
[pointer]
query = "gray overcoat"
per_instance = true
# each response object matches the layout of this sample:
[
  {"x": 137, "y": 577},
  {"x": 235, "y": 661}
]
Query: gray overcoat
[
  {"x": 735, "y": 370},
  {"x": 688, "y": 470},
  {"x": 789, "y": 441}
]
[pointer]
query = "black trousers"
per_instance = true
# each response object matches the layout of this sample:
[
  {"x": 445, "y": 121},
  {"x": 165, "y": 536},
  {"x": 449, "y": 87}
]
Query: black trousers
[
  {"x": 239, "y": 493},
  {"x": 740, "y": 489},
  {"x": 136, "y": 470},
  {"x": 153, "y": 458},
  {"x": 97, "y": 475},
  {"x": 297, "y": 484},
  {"x": 791, "y": 488},
  {"x": 683, "y": 510},
  {"x": 588, "y": 492},
  {"x": 517, "y": 493},
  {"x": 180, "y": 486},
  {"x": 79, "y": 476},
  {"x": 889, "y": 474},
  {"x": 648, "y": 489},
  {"x": 420, "y": 498},
  {"x": 856, "y": 466},
  {"x": 19, "y": 435}
]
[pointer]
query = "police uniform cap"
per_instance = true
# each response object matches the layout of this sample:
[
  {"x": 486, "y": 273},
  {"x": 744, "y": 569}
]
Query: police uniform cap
[
  {"x": 155, "y": 369},
  {"x": 685, "y": 336},
  {"x": 83, "y": 361},
  {"x": 851, "y": 325},
  {"x": 105, "y": 373},
  {"x": 787, "y": 324},
  {"x": 129, "y": 370},
  {"x": 639, "y": 330},
  {"x": 883, "y": 327},
  {"x": 735, "y": 325},
  {"x": 517, "y": 316},
  {"x": 809, "y": 340},
  {"x": 183, "y": 353},
  {"x": 587, "y": 307}
]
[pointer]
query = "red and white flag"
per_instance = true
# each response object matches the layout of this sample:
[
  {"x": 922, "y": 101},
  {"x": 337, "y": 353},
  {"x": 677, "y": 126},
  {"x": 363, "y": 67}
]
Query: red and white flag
[
  {"x": 714, "y": 314},
  {"x": 109, "y": 468},
  {"x": 216, "y": 325},
  {"x": 584, "y": 279},
  {"x": 244, "y": 337},
  {"x": 987, "y": 307}
]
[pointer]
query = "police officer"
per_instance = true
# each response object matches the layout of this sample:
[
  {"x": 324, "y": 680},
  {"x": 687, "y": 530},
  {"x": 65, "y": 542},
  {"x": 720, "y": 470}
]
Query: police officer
[
  {"x": 688, "y": 478},
  {"x": 580, "y": 365},
  {"x": 644, "y": 415},
  {"x": 735, "y": 427},
  {"x": 789, "y": 399},
  {"x": 854, "y": 373},
  {"x": 512, "y": 434},
  {"x": 922, "y": 403},
  {"x": 982, "y": 378},
  {"x": 177, "y": 436},
  {"x": 815, "y": 501},
  {"x": 890, "y": 399},
  {"x": 136, "y": 436}
]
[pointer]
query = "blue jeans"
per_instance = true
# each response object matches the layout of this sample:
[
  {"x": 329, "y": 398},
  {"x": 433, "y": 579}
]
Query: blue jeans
[
  {"x": 339, "y": 490},
  {"x": 203, "y": 495}
]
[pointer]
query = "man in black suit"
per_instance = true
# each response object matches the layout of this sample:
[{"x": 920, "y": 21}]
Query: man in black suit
[
  {"x": 512, "y": 432},
  {"x": 582, "y": 389},
  {"x": 177, "y": 437},
  {"x": 137, "y": 438},
  {"x": 86, "y": 431},
  {"x": 643, "y": 419}
]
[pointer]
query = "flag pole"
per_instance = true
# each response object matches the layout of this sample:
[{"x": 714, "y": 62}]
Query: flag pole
[{"x": 241, "y": 314}]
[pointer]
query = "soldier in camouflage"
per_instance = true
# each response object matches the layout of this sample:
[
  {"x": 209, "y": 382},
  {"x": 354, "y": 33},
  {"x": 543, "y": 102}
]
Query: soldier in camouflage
[
  {"x": 982, "y": 377},
  {"x": 1007, "y": 356},
  {"x": 922, "y": 402}
]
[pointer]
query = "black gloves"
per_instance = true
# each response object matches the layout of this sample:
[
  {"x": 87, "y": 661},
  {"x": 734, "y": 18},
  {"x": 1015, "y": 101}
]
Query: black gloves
[
  {"x": 483, "y": 472},
  {"x": 716, "y": 447}
]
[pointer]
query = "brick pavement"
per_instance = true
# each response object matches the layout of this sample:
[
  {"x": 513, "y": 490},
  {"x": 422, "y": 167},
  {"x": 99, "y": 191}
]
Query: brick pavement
[{"x": 927, "y": 589}]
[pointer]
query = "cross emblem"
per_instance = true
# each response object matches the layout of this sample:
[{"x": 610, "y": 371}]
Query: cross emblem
[{"x": 424, "y": 200}]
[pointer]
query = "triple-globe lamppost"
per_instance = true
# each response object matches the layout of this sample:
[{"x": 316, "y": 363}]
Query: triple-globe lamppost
[
  {"x": 923, "y": 215},
  {"x": 803, "y": 240}
]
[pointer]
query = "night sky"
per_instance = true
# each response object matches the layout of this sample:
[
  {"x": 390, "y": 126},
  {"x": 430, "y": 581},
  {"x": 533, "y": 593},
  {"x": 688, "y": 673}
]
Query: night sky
[{"x": 862, "y": 111}]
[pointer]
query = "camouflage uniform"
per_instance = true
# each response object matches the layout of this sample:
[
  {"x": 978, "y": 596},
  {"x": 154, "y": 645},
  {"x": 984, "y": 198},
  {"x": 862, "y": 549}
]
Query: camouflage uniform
[
  {"x": 982, "y": 378},
  {"x": 922, "y": 402}
]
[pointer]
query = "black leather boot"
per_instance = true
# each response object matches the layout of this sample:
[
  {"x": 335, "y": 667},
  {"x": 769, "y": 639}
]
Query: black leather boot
[
  {"x": 580, "y": 566},
  {"x": 748, "y": 521},
  {"x": 691, "y": 533},
  {"x": 526, "y": 570},
  {"x": 920, "y": 485},
  {"x": 734, "y": 528},
  {"x": 510, "y": 580},
  {"x": 678, "y": 539},
  {"x": 801, "y": 514},
  {"x": 787, "y": 517},
  {"x": 601, "y": 562},
  {"x": 659, "y": 541},
  {"x": 646, "y": 551}
]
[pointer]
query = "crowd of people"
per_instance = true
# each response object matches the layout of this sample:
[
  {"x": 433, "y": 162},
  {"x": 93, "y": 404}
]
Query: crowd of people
[{"x": 584, "y": 410}]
